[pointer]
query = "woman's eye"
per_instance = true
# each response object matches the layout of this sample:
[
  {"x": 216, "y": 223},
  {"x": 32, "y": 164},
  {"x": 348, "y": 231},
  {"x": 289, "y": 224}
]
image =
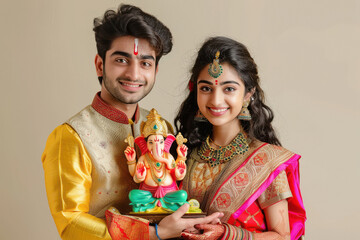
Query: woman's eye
[
  {"x": 230, "y": 89},
  {"x": 205, "y": 89}
]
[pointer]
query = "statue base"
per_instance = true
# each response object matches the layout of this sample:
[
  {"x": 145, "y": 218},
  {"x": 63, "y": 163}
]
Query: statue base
[{"x": 157, "y": 217}]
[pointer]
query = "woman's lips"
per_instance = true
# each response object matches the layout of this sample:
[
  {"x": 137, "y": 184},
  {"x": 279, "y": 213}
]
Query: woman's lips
[{"x": 218, "y": 111}]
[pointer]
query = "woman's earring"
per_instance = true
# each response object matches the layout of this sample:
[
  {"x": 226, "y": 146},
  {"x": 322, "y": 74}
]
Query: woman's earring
[
  {"x": 244, "y": 113},
  {"x": 199, "y": 117}
]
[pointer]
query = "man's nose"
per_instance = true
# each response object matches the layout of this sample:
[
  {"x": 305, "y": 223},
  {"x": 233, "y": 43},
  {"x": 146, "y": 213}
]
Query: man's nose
[{"x": 133, "y": 72}]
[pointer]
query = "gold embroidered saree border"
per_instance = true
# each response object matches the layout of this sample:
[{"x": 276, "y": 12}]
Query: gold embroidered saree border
[
  {"x": 229, "y": 168},
  {"x": 237, "y": 185}
]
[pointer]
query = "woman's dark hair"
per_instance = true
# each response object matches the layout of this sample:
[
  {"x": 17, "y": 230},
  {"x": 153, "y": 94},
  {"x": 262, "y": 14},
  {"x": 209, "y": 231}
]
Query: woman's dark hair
[
  {"x": 237, "y": 55},
  {"x": 132, "y": 21}
]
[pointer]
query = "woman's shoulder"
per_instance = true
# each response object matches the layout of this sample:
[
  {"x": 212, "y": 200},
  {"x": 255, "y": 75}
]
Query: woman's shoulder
[
  {"x": 194, "y": 152},
  {"x": 269, "y": 148}
]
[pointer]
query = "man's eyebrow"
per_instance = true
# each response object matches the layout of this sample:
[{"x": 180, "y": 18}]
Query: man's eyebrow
[
  {"x": 147, "y": 57},
  {"x": 125, "y": 54},
  {"x": 128, "y": 55}
]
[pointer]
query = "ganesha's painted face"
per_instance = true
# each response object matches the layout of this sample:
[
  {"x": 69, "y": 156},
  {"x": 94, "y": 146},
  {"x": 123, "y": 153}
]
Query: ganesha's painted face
[{"x": 156, "y": 145}]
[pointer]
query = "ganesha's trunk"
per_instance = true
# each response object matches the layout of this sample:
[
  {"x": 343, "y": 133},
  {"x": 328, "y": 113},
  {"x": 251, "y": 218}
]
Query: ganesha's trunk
[{"x": 158, "y": 152}]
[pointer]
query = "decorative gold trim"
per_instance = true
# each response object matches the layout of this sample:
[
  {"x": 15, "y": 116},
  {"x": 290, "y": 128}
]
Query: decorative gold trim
[
  {"x": 131, "y": 162},
  {"x": 276, "y": 199},
  {"x": 155, "y": 170},
  {"x": 153, "y": 125},
  {"x": 258, "y": 168}
]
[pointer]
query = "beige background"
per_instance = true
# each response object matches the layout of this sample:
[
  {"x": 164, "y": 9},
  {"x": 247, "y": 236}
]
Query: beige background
[{"x": 308, "y": 57}]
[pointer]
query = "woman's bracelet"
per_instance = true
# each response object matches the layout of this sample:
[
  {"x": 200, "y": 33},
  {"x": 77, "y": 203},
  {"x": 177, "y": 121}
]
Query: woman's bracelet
[{"x": 156, "y": 231}]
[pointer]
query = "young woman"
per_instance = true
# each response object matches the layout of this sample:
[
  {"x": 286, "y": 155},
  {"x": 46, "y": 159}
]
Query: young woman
[{"x": 237, "y": 165}]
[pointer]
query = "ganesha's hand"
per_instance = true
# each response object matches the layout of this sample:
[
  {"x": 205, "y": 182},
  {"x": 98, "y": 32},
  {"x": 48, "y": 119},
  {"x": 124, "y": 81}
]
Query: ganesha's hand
[
  {"x": 209, "y": 232},
  {"x": 140, "y": 172},
  {"x": 182, "y": 151},
  {"x": 130, "y": 154},
  {"x": 180, "y": 170}
]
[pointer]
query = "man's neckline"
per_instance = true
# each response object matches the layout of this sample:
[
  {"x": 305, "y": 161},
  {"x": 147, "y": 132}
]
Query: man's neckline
[{"x": 111, "y": 112}]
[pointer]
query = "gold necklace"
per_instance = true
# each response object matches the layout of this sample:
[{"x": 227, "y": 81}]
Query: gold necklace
[
  {"x": 237, "y": 146},
  {"x": 212, "y": 141},
  {"x": 157, "y": 169}
]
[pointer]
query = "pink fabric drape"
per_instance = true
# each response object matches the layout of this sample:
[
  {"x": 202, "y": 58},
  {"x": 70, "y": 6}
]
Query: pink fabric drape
[
  {"x": 297, "y": 215},
  {"x": 159, "y": 191}
]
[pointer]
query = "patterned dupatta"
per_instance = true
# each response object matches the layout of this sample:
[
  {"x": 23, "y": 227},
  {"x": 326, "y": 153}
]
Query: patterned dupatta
[{"x": 243, "y": 181}]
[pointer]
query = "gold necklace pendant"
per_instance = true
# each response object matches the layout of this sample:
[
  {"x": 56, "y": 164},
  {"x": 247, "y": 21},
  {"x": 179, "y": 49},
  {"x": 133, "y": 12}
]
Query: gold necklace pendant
[
  {"x": 157, "y": 170},
  {"x": 158, "y": 165}
]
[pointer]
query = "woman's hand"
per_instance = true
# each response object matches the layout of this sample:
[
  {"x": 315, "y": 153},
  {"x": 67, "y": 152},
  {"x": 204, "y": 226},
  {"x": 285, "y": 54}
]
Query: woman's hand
[
  {"x": 205, "y": 232},
  {"x": 173, "y": 225}
]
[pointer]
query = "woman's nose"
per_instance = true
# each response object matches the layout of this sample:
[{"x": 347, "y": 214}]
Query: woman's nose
[{"x": 217, "y": 97}]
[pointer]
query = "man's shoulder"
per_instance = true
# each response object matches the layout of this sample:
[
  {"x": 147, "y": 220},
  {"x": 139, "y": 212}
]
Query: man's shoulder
[
  {"x": 63, "y": 133},
  {"x": 66, "y": 130},
  {"x": 143, "y": 111},
  {"x": 85, "y": 112}
]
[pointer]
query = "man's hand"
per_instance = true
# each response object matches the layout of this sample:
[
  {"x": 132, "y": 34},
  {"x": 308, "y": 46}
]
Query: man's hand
[{"x": 173, "y": 225}]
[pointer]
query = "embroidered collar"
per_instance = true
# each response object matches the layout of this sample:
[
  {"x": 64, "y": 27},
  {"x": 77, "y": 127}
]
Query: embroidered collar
[
  {"x": 112, "y": 113},
  {"x": 238, "y": 146}
]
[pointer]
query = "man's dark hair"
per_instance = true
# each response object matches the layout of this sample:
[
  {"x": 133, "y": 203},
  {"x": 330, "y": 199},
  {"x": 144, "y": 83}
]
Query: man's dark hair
[{"x": 131, "y": 21}]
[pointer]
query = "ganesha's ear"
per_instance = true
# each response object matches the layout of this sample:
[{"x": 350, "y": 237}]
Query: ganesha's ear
[
  {"x": 168, "y": 142},
  {"x": 140, "y": 141}
]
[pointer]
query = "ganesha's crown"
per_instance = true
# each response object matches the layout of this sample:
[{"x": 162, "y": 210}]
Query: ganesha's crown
[{"x": 153, "y": 125}]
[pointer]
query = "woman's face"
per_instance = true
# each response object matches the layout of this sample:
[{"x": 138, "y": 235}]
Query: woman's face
[{"x": 220, "y": 99}]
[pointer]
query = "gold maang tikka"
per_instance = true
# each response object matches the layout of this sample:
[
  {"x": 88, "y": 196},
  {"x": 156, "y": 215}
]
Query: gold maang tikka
[{"x": 215, "y": 69}]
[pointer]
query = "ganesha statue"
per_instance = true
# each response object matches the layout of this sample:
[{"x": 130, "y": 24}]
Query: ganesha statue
[{"x": 156, "y": 169}]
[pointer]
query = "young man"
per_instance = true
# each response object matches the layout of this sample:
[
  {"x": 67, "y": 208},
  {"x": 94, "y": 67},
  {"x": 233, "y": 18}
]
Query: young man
[{"x": 84, "y": 163}]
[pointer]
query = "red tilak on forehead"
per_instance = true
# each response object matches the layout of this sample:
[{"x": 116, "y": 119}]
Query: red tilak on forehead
[
  {"x": 136, "y": 45},
  {"x": 216, "y": 82},
  {"x": 156, "y": 139}
]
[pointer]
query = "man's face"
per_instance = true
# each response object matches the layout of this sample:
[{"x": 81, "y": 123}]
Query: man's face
[{"x": 129, "y": 71}]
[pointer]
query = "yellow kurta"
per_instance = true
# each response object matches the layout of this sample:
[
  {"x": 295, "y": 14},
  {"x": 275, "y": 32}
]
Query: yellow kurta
[
  {"x": 86, "y": 171},
  {"x": 68, "y": 168}
]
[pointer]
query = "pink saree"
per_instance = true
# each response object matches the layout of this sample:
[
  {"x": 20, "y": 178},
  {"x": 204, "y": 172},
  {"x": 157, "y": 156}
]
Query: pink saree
[{"x": 236, "y": 190}]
